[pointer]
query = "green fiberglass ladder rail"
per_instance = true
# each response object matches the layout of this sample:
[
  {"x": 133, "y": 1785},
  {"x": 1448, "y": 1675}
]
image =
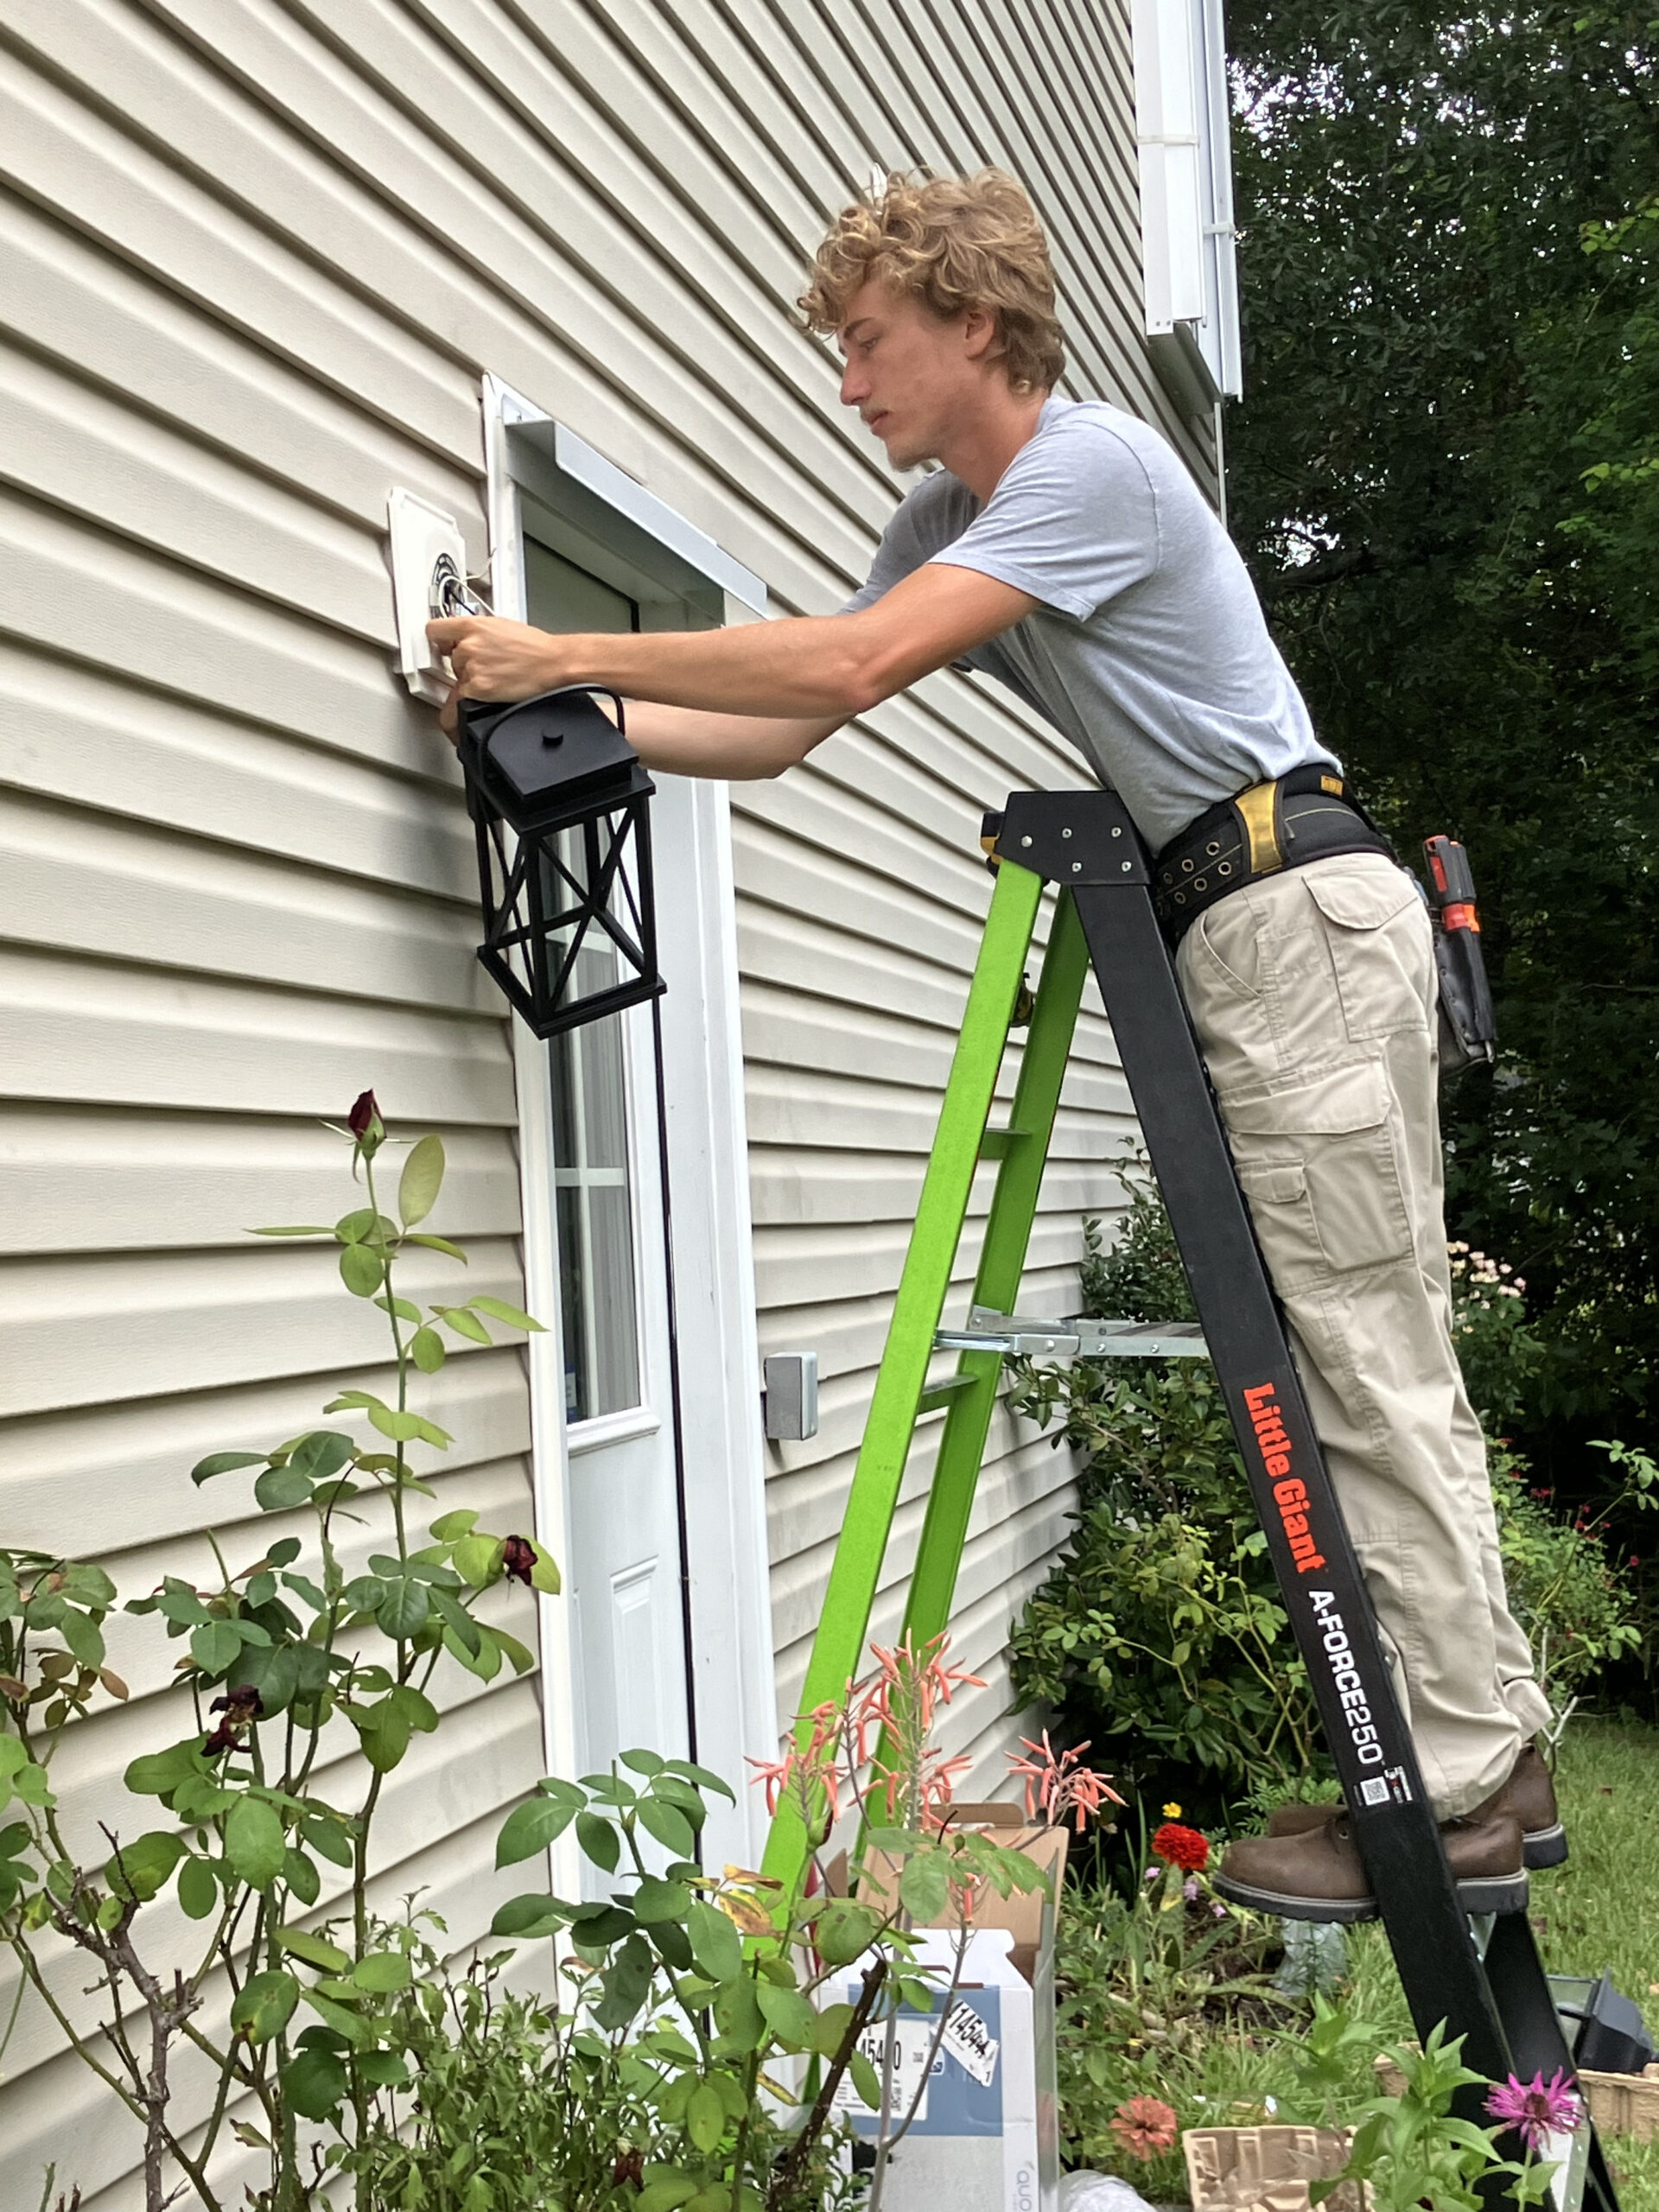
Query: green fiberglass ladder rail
[{"x": 1482, "y": 1977}]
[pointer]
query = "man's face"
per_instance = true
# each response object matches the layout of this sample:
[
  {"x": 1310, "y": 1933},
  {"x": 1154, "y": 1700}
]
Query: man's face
[{"x": 909, "y": 374}]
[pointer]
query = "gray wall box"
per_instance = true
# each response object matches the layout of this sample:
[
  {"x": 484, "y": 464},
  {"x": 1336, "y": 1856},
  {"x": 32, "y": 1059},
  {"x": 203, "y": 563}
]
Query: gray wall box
[{"x": 791, "y": 1396}]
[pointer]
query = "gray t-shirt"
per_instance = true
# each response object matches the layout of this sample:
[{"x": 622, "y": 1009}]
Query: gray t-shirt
[{"x": 1148, "y": 648}]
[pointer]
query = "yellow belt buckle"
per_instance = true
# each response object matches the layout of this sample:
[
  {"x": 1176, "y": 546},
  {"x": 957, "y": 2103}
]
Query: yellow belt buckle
[{"x": 1255, "y": 808}]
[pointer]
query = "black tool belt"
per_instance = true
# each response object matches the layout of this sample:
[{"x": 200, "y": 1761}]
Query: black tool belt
[{"x": 1306, "y": 816}]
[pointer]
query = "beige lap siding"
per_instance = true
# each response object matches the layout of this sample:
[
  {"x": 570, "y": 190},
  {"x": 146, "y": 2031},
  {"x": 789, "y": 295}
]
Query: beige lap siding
[{"x": 255, "y": 257}]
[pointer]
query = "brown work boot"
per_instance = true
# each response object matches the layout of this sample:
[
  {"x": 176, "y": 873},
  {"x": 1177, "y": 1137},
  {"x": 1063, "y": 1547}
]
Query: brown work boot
[
  {"x": 1316, "y": 1874},
  {"x": 1528, "y": 1794}
]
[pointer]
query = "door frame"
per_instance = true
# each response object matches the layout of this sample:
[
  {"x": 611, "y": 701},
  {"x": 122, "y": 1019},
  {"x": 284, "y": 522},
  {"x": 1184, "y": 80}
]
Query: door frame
[{"x": 731, "y": 1696}]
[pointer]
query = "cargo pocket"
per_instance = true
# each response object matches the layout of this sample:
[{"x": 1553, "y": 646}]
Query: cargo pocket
[
  {"x": 1377, "y": 934},
  {"x": 1318, "y": 1169}
]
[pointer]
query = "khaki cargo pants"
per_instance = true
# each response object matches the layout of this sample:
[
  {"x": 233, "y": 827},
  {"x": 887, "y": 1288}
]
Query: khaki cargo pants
[{"x": 1313, "y": 996}]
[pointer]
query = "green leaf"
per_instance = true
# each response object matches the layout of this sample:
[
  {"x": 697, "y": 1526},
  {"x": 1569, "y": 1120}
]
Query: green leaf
[
  {"x": 406, "y": 1428},
  {"x": 787, "y": 2014},
  {"x": 923, "y": 1885},
  {"x": 83, "y": 1638},
  {"x": 519, "y": 1656},
  {"x": 426, "y": 1349},
  {"x": 530, "y": 1915},
  {"x": 829, "y": 2028},
  {"x": 254, "y": 1842},
  {"x": 322, "y": 1453},
  {"x": 478, "y": 1559},
  {"x": 530, "y": 1828},
  {"x": 464, "y": 1324},
  {"x": 656, "y": 1901},
  {"x": 705, "y": 2117},
  {"x": 844, "y": 1930},
  {"x": 514, "y": 1316},
  {"x": 157, "y": 1773},
  {"x": 450, "y": 1528},
  {"x": 666, "y": 2195},
  {"x": 416, "y": 1707},
  {"x": 544, "y": 1575},
  {"x": 596, "y": 1927},
  {"x": 599, "y": 1840},
  {"x": 403, "y": 1610},
  {"x": 715, "y": 1944},
  {"x": 626, "y": 1984},
  {"x": 315, "y": 2083},
  {"x": 198, "y": 1890},
  {"x": 222, "y": 1463},
  {"x": 383, "y": 1731},
  {"x": 301, "y": 1876},
  {"x": 737, "y": 2014},
  {"x": 438, "y": 1244},
  {"x": 139, "y": 1869},
  {"x": 400, "y": 1306},
  {"x": 316, "y": 1950},
  {"x": 305, "y": 1229},
  {"x": 265, "y": 2005},
  {"x": 344, "y": 2022},
  {"x": 865, "y": 2079},
  {"x": 387, "y": 2070},
  {"x": 382, "y": 1972},
  {"x": 328, "y": 1839},
  {"x": 216, "y": 1646},
  {"x": 669, "y": 1825},
  {"x": 421, "y": 1181},
  {"x": 361, "y": 1270},
  {"x": 279, "y": 1490}
]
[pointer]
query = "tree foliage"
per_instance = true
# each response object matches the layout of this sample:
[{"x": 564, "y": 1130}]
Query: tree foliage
[{"x": 1445, "y": 478}]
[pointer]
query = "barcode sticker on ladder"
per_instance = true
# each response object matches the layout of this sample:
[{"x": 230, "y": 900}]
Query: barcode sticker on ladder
[{"x": 1374, "y": 1790}]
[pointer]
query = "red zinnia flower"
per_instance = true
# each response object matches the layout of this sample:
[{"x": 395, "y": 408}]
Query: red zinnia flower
[
  {"x": 1146, "y": 2126},
  {"x": 1181, "y": 1846}
]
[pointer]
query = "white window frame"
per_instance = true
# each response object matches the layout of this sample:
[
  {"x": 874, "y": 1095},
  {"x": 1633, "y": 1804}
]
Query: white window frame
[
  {"x": 1188, "y": 257},
  {"x": 610, "y": 523}
]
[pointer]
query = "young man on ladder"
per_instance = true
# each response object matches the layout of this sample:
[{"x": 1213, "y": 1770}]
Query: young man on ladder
[{"x": 1063, "y": 547}]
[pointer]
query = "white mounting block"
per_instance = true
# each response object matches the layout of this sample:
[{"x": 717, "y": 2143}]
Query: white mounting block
[{"x": 427, "y": 547}]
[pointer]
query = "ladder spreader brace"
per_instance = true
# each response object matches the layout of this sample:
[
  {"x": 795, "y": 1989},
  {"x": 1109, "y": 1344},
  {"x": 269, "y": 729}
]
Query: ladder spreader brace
[{"x": 1484, "y": 1980}]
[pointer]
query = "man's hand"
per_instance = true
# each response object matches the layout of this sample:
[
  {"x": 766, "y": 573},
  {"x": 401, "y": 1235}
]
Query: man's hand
[{"x": 494, "y": 658}]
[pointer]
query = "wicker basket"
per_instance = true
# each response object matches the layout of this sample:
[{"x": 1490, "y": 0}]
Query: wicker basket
[
  {"x": 1244, "y": 2169},
  {"x": 1620, "y": 2104}
]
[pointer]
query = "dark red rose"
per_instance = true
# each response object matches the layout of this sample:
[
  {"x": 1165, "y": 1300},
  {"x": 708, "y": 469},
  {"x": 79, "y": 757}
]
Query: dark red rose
[
  {"x": 518, "y": 1557},
  {"x": 241, "y": 1707},
  {"x": 630, "y": 2166},
  {"x": 364, "y": 1115}
]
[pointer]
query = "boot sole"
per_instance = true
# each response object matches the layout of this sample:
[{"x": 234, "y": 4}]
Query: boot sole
[
  {"x": 1545, "y": 1848},
  {"x": 1481, "y": 1893}
]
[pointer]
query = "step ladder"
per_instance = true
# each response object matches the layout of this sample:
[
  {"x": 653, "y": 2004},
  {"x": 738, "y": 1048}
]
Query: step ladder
[{"x": 1482, "y": 1977}]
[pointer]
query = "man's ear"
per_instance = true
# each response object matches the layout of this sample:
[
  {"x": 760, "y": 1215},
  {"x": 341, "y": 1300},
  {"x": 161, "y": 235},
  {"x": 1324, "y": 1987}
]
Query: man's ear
[{"x": 981, "y": 333}]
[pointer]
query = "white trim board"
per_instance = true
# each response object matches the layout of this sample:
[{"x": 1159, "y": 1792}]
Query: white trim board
[{"x": 613, "y": 520}]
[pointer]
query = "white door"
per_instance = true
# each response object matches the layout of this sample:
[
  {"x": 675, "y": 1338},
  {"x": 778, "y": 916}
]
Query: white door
[{"x": 623, "y": 1578}]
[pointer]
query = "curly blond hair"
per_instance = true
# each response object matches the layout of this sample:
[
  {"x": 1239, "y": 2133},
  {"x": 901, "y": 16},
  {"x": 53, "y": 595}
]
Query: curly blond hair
[{"x": 952, "y": 243}]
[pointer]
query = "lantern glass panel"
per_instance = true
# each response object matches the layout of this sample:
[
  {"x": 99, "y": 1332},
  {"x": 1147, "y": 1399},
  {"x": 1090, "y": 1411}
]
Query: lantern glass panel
[{"x": 593, "y": 1195}]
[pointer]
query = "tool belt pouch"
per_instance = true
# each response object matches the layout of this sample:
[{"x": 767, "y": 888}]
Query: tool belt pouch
[{"x": 1467, "y": 1024}]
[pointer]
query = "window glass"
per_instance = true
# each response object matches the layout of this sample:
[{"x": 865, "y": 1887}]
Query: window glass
[{"x": 595, "y": 1201}]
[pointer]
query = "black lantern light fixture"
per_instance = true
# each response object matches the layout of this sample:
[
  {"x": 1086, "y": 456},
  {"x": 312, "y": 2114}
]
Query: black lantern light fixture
[{"x": 560, "y": 807}]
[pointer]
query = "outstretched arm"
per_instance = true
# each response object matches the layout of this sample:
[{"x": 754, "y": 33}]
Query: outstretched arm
[{"x": 793, "y": 681}]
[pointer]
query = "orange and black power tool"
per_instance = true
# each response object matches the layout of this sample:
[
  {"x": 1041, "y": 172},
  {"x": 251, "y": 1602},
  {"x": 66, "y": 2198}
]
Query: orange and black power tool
[{"x": 1468, "y": 1028}]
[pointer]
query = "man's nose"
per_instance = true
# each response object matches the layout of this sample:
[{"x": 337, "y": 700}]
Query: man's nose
[{"x": 854, "y": 385}]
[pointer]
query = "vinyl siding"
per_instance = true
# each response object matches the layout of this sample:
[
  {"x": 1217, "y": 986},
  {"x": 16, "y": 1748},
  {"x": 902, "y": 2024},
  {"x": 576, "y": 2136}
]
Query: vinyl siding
[{"x": 255, "y": 256}]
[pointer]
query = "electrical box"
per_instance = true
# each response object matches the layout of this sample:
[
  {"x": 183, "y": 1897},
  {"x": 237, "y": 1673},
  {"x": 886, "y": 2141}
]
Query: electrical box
[{"x": 791, "y": 1396}]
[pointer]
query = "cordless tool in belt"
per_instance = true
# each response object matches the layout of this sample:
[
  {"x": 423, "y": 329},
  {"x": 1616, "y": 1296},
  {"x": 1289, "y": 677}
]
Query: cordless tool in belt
[{"x": 1468, "y": 1026}]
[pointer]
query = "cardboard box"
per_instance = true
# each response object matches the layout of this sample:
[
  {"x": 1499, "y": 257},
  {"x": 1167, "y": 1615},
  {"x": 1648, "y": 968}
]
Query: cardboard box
[
  {"x": 1266, "y": 2169},
  {"x": 986, "y": 2137}
]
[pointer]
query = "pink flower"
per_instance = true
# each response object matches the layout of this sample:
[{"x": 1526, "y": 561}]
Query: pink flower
[
  {"x": 810, "y": 1771},
  {"x": 1144, "y": 2126},
  {"x": 1537, "y": 2109},
  {"x": 1058, "y": 1784}
]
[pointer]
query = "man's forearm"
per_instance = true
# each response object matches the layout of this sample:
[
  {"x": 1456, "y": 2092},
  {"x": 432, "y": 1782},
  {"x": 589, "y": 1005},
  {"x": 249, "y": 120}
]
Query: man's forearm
[
  {"x": 804, "y": 668},
  {"x": 681, "y": 741}
]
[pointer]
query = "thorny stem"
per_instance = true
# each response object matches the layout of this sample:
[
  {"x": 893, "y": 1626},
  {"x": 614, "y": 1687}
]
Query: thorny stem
[{"x": 788, "y": 2176}]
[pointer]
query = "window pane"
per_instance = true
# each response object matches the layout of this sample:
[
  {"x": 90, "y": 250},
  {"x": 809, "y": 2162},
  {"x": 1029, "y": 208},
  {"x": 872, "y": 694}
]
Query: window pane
[{"x": 597, "y": 1277}]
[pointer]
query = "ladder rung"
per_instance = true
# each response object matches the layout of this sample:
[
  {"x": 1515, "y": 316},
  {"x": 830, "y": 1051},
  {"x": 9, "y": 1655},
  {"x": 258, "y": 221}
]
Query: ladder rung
[
  {"x": 997, "y": 1144},
  {"x": 1073, "y": 1336},
  {"x": 941, "y": 1393}
]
